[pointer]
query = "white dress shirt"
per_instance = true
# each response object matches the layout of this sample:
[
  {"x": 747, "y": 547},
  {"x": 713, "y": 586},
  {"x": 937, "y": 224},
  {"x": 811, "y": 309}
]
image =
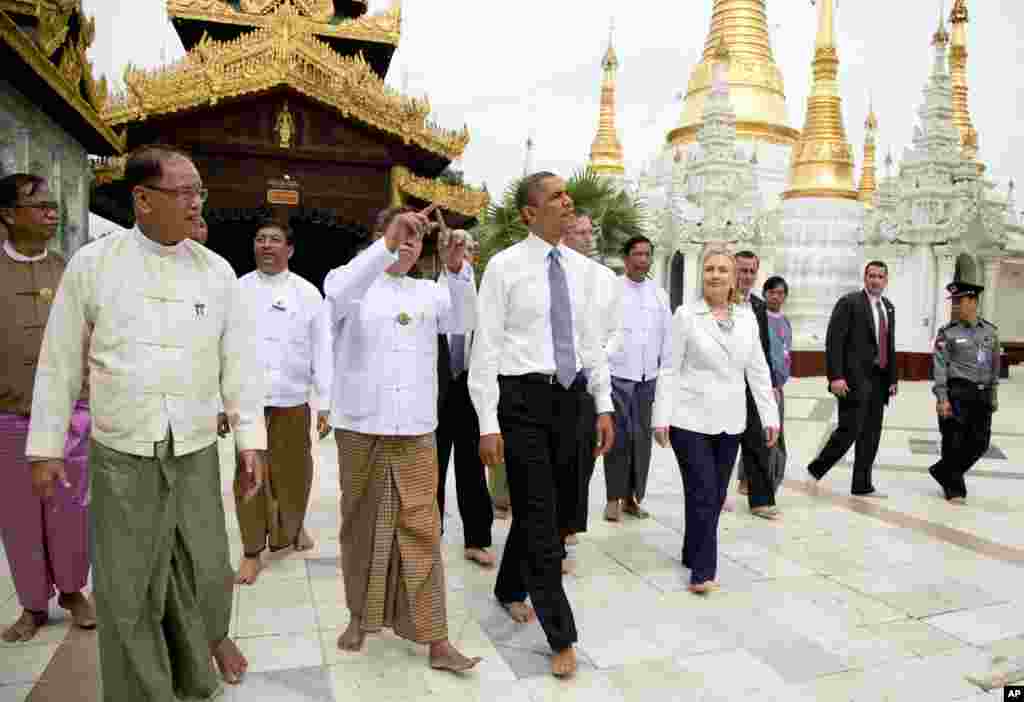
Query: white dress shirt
[
  {"x": 469, "y": 306},
  {"x": 702, "y": 389},
  {"x": 294, "y": 337},
  {"x": 513, "y": 335},
  {"x": 641, "y": 348},
  {"x": 170, "y": 335},
  {"x": 386, "y": 327}
]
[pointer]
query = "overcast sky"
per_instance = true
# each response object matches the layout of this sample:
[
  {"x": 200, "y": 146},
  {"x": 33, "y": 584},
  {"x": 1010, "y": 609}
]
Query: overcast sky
[{"x": 511, "y": 69}]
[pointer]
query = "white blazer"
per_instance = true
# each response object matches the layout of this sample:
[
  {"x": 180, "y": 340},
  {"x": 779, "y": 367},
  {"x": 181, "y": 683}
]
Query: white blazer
[{"x": 703, "y": 388}]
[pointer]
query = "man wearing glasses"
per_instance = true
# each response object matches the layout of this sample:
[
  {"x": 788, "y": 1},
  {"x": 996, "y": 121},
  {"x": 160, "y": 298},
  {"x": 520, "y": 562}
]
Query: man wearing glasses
[
  {"x": 46, "y": 541},
  {"x": 169, "y": 333}
]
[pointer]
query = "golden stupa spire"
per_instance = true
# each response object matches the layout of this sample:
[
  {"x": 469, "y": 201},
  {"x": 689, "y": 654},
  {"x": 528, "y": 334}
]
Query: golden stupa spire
[
  {"x": 606, "y": 151},
  {"x": 755, "y": 81},
  {"x": 822, "y": 162},
  {"x": 958, "y": 18},
  {"x": 866, "y": 192}
]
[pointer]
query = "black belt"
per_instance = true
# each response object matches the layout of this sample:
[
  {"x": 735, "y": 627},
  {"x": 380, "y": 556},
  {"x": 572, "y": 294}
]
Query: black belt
[
  {"x": 548, "y": 379},
  {"x": 970, "y": 384}
]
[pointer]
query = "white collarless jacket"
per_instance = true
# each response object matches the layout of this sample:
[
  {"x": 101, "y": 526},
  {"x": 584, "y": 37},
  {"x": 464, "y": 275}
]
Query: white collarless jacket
[{"x": 703, "y": 389}]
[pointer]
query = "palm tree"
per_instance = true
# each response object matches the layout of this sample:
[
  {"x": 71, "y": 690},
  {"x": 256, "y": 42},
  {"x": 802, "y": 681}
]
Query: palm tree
[{"x": 616, "y": 215}]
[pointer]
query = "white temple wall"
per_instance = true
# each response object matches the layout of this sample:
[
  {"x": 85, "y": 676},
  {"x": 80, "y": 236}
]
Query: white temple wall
[
  {"x": 31, "y": 142},
  {"x": 1010, "y": 311},
  {"x": 912, "y": 288}
]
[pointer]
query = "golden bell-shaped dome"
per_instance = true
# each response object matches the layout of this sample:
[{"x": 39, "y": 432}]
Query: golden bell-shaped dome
[
  {"x": 822, "y": 161},
  {"x": 755, "y": 82},
  {"x": 606, "y": 156}
]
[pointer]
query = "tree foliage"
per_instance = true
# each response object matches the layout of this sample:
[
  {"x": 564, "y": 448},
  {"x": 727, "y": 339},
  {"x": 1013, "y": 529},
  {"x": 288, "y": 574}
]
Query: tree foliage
[{"x": 617, "y": 215}]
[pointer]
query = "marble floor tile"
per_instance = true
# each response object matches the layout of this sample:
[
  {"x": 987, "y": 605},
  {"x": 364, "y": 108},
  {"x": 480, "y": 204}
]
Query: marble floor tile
[
  {"x": 525, "y": 663},
  {"x": 585, "y": 686},
  {"x": 918, "y": 594},
  {"x": 24, "y": 664},
  {"x": 983, "y": 625},
  {"x": 307, "y": 684},
  {"x": 282, "y": 652},
  {"x": 15, "y": 693},
  {"x": 275, "y": 607},
  {"x": 731, "y": 674}
]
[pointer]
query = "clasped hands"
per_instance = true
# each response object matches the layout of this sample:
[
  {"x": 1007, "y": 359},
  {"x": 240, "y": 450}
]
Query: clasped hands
[{"x": 492, "y": 446}]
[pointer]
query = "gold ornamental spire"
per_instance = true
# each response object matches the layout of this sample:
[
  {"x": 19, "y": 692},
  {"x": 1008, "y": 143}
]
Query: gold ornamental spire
[
  {"x": 755, "y": 81},
  {"x": 866, "y": 192},
  {"x": 958, "y": 18},
  {"x": 606, "y": 151},
  {"x": 822, "y": 161}
]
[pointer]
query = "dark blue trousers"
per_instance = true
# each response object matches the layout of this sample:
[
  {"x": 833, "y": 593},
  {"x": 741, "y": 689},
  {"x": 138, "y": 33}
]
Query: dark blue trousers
[{"x": 705, "y": 463}]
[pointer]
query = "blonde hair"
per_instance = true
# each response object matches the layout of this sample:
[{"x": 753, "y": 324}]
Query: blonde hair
[{"x": 720, "y": 249}]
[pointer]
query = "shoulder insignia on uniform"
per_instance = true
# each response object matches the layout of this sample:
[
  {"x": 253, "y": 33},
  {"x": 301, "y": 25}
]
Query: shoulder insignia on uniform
[{"x": 994, "y": 326}]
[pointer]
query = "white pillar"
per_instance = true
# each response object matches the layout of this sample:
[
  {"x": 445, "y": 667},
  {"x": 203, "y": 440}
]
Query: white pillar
[
  {"x": 990, "y": 298},
  {"x": 945, "y": 267}
]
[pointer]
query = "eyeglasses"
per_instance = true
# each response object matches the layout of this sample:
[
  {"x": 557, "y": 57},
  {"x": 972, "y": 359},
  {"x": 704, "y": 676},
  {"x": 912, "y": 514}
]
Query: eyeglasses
[
  {"x": 183, "y": 193},
  {"x": 55, "y": 206}
]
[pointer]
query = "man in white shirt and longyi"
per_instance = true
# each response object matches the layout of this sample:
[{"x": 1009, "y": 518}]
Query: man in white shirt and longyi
[
  {"x": 295, "y": 344},
  {"x": 169, "y": 336},
  {"x": 384, "y": 411},
  {"x": 538, "y": 327}
]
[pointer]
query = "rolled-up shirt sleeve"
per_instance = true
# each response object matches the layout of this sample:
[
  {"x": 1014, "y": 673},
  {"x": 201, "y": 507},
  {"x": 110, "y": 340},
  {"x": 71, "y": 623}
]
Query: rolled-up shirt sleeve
[{"x": 60, "y": 371}]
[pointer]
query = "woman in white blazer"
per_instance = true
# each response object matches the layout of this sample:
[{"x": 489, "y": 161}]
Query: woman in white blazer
[{"x": 700, "y": 404}]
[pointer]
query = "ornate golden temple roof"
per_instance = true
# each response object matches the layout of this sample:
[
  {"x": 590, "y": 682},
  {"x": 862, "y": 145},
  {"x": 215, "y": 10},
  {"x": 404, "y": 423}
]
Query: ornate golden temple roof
[
  {"x": 283, "y": 53},
  {"x": 606, "y": 150},
  {"x": 317, "y": 16},
  {"x": 55, "y": 71},
  {"x": 868, "y": 185},
  {"x": 958, "y": 18},
  {"x": 822, "y": 160},
  {"x": 455, "y": 198},
  {"x": 755, "y": 81}
]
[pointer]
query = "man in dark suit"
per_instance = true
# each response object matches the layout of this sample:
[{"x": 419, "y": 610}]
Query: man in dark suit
[
  {"x": 755, "y": 457},
  {"x": 458, "y": 428},
  {"x": 860, "y": 358}
]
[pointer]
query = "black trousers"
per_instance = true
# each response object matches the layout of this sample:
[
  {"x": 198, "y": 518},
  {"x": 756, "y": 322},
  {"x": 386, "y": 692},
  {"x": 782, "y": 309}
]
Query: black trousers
[
  {"x": 756, "y": 458},
  {"x": 459, "y": 427},
  {"x": 538, "y": 423},
  {"x": 965, "y": 436},
  {"x": 586, "y": 438},
  {"x": 860, "y": 421}
]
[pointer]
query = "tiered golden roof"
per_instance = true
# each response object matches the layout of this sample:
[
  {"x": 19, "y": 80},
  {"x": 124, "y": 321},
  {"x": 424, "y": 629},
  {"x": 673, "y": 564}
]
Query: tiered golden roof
[
  {"x": 454, "y": 198},
  {"x": 822, "y": 160},
  {"x": 868, "y": 185},
  {"x": 56, "y": 51},
  {"x": 317, "y": 17},
  {"x": 755, "y": 81},
  {"x": 958, "y": 18},
  {"x": 283, "y": 53},
  {"x": 606, "y": 150}
]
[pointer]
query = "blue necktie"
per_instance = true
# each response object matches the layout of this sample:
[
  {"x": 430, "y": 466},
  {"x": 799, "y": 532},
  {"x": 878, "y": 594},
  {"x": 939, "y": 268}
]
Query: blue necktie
[
  {"x": 561, "y": 322},
  {"x": 457, "y": 352}
]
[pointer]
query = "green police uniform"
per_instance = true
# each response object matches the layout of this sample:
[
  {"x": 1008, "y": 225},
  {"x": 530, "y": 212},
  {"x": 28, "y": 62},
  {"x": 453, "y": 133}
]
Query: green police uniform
[{"x": 966, "y": 370}]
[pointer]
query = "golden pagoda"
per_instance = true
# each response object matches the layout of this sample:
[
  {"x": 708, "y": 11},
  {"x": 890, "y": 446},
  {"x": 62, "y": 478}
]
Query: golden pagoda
[
  {"x": 958, "y": 18},
  {"x": 606, "y": 151},
  {"x": 866, "y": 192},
  {"x": 822, "y": 161},
  {"x": 755, "y": 81}
]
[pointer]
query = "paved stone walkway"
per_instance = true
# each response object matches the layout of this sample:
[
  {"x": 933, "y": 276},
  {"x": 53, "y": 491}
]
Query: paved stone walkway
[{"x": 844, "y": 599}]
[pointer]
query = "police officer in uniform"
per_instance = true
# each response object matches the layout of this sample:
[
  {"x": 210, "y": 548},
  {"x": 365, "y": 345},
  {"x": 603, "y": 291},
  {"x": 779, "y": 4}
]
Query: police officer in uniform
[{"x": 966, "y": 368}]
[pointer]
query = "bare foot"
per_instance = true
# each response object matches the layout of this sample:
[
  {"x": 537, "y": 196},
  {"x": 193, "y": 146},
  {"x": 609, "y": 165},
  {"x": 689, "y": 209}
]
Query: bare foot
[
  {"x": 742, "y": 488},
  {"x": 481, "y": 556},
  {"x": 231, "y": 663},
  {"x": 25, "y": 628},
  {"x": 444, "y": 656},
  {"x": 304, "y": 542},
  {"x": 353, "y": 637},
  {"x": 501, "y": 513},
  {"x": 519, "y": 611},
  {"x": 563, "y": 663},
  {"x": 83, "y": 614},
  {"x": 572, "y": 539},
  {"x": 701, "y": 588},
  {"x": 249, "y": 570}
]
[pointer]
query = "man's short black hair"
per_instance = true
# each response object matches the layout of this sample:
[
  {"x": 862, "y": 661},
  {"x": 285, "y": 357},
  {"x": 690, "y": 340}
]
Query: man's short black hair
[
  {"x": 385, "y": 217},
  {"x": 775, "y": 281},
  {"x": 274, "y": 224},
  {"x": 632, "y": 241},
  {"x": 18, "y": 185},
  {"x": 749, "y": 255},
  {"x": 876, "y": 264},
  {"x": 146, "y": 163},
  {"x": 529, "y": 186}
]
